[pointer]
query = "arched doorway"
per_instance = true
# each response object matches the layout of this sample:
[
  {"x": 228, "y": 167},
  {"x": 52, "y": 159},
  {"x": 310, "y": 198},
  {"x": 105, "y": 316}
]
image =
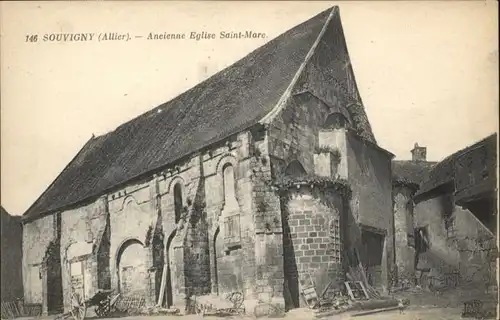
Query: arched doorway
[{"x": 132, "y": 271}]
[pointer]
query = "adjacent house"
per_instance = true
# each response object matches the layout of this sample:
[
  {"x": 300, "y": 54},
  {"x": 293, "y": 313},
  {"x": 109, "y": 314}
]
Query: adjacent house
[{"x": 447, "y": 214}]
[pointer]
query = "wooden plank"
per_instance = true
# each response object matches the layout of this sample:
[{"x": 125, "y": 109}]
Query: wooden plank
[
  {"x": 356, "y": 290},
  {"x": 368, "y": 312},
  {"x": 349, "y": 290},
  {"x": 11, "y": 310},
  {"x": 163, "y": 285},
  {"x": 21, "y": 307},
  {"x": 16, "y": 308},
  {"x": 3, "y": 311},
  {"x": 363, "y": 289}
]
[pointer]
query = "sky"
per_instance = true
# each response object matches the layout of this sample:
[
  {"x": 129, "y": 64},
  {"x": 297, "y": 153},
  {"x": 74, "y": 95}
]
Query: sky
[{"x": 427, "y": 72}]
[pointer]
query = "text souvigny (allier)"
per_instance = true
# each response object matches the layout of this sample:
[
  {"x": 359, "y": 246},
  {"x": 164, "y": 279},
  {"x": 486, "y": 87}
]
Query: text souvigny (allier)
[{"x": 115, "y": 36}]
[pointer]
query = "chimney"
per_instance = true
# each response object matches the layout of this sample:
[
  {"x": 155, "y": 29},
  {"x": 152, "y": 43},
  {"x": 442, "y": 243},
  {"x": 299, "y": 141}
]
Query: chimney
[{"x": 419, "y": 153}]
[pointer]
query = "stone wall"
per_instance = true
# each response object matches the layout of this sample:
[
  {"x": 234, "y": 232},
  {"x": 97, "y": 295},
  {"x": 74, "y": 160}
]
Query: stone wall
[
  {"x": 370, "y": 176},
  {"x": 197, "y": 261},
  {"x": 293, "y": 135},
  {"x": 81, "y": 229},
  {"x": 268, "y": 227},
  {"x": 139, "y": 212},
  {"x": 462, "y": 246},
  {"x": 237, "y": 256},
  {"x": 36, "y": 238},
  {"x": 404, "y": 233},
  {"x": 312, "y": 240},
  {"x": 132, "y": 215},
  {"x": 299, "y": 131}
]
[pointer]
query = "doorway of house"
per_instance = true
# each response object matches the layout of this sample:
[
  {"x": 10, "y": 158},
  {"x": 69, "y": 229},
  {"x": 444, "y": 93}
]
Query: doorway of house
[
  {"x": 373, "y": 247},
  {"x": 132, "y": 272},
  {"x": 54, "y": 288},
  {"x": 55, "y": 303}
]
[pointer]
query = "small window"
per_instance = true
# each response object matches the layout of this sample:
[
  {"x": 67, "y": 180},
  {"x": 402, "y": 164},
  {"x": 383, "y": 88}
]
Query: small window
[
  {"x": 450, "y": 226},
  {"x": 422, "y": 243},
  {"x": 229, "y": 184},
  {"x": 178, "y": 205}
]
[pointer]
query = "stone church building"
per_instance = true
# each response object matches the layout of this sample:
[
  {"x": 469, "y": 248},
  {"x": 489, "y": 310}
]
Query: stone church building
[{"x": 262, "y": 177}]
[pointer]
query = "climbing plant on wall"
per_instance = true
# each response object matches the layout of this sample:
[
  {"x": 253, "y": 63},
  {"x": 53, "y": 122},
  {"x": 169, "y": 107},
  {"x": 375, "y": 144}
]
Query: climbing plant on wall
[
  {"x": 149, "y": 234},
  {"x": 198, "y": 210},
  {"x": 334, "y": 152},
  {"x": 52, "y": 253},
  {"x": 341, "y": 186}
]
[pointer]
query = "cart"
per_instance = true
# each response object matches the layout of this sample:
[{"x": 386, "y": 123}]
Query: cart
[
  {"x": 215, "y": 305},
  {"x": 103, "y": 302}
]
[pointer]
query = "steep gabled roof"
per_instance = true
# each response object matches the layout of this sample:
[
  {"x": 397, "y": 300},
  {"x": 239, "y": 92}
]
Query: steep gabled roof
[{"x": 229, "y": 102}]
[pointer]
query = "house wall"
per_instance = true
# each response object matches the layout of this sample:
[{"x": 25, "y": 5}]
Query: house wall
[
  {"x": 465, "y": 251},
  {"x": 294, "y": 133},
  {"x": 11, "y": 257},
  {"x": 370, "y": 177},
  {"x": 298, "y": 130},
  {"x": 36, "y": 238},
  {"x": 249, "y": 262},
  {"x": 189, "y": 246},
  {"x": 475, "y": 170},
  {"x": 404, "y": 238},
  {"x": 80, "y": 229},
  {"x": 292, "y": 136},
  {"x": 132, "y": 216}
]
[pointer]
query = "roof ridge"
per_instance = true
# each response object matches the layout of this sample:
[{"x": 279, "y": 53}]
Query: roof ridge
[
  {"x": 467, "y": 148},
  {"x": 287, "y": 94},
  {"x": 334, "y": 9}
]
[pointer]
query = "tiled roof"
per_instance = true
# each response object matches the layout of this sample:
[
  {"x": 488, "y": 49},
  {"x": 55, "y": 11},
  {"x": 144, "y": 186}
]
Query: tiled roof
[
  {"x": 411, "y": 171},
  {"x": 229, "y": 102},
  {"x": 445, "y": 171}
]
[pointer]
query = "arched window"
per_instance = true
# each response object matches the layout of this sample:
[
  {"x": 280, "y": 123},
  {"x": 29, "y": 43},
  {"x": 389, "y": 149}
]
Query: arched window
[
  {"x": 229, "y": 185},
  {"x": 231, "y": 210},
  {"x": 336, "y": 120},
  {"x": 178, "y": 205}
]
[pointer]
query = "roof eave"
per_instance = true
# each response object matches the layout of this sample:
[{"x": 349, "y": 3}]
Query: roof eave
[{"x": 91, "y": 198}]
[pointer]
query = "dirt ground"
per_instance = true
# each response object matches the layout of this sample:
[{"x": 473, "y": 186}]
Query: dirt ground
[
  {"x": 411, "y": 313},
  {"x": 423, "y": 306}
]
